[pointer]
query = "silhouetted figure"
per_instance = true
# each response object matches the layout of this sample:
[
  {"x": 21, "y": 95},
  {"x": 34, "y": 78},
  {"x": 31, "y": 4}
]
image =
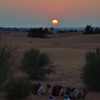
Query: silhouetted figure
[{"x": 58, "y": 90}]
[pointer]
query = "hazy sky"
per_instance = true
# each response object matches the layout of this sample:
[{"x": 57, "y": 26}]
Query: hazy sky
[{"x": 40, "y": 13}]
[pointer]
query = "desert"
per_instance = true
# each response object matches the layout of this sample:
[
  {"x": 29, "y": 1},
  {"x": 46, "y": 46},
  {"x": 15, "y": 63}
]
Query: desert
[{"x": 66, "y": 52}]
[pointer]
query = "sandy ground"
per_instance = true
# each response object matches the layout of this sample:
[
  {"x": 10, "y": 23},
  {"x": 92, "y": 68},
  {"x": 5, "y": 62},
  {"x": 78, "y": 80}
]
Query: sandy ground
[{"x": 66, "y": 51}]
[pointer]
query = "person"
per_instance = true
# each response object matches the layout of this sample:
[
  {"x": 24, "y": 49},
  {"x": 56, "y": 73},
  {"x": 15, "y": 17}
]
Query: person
[
  {"x": 66, "y": 97},
  {"x": 84, "y": 94},
  {"x": 37, "y": 88},
  {"x": 51, "y": 97},
  {"x": 42, "y": 90},
  {"x": 68, "y": 91},
  {"x": 75, "y": 94},
  {"x": 58, "y": 90}
]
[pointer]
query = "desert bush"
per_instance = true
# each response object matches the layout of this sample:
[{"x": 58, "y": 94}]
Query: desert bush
[
  {"x": 91, "y": 71},
  {"x": 6, "y": 63},
  {"x": 36, "y": 64},
  {"x": 90, "y": 54},
  {"x": 17, "y": 88}
]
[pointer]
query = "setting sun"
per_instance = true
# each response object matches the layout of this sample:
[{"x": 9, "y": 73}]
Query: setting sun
[{"x": 54, "y": 22}]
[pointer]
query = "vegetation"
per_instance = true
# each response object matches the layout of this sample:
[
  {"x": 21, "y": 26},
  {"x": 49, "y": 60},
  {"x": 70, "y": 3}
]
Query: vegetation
[
  {"x": 91, "y": 71},
  {"x": 66, "y": 31},
  {"x": 36, "y": 64},
  {"x": 6, "y": 63},
  {"x": 38, "y": 32},
  {"x": 91, "y": 30},
  {"x": 17, "y": 88}
]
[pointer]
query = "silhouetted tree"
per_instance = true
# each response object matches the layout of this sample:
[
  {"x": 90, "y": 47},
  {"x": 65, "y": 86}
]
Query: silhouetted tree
[
  {"x": 38, "y": 32},
  {"x": 88, "y": 29},
  {"x": 97, "y": 30},
  {"x": 46, "y": 30},
  {"x": 91, "y": 30},
  {"x": 51, "y": 28}
]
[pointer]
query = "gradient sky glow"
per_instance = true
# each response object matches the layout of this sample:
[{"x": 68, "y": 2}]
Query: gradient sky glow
[{"x": 40, "y": 13}]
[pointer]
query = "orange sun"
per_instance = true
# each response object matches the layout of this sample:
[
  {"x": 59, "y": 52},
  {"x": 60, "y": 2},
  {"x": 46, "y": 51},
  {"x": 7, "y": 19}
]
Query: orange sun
[{"x": 54, "y": 22}]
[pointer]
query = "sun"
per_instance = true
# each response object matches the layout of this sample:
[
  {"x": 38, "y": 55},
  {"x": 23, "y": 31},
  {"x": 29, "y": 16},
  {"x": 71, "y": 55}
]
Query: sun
[{"x": 55, "y": 22}]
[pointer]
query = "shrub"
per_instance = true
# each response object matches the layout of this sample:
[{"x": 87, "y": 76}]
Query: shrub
[
  {"x": 90, "y": 54},
  {"x": 6, "y": 62},
  {"x": 91, "y": 72},
  {"x": 36, "y": 64},
  {"x": 17, "y": 88}
]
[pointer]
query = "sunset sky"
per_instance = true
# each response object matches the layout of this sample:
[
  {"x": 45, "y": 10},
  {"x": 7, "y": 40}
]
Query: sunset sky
[{"x": 40, "y": 13}]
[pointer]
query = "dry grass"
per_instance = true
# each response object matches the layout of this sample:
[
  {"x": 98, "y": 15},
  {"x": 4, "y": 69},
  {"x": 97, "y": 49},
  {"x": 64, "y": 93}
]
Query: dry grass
[{"x": 66, "y": 51}]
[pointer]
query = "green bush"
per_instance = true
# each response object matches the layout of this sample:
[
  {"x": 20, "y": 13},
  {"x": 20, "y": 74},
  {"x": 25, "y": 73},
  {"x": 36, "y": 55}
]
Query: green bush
[
  {"x": 90, "y": 55},
  {"x": 91, "y": 72},
  {"x": 6, "y": 62},
  {"x": 35, "y": 64},
  {"x": 17, "y": 88}
]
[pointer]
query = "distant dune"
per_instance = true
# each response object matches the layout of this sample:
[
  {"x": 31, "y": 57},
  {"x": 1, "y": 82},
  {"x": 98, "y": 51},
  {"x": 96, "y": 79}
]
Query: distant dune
[
  {"x": 66, "y": 51},
  {"x": 62, "y": 35}
]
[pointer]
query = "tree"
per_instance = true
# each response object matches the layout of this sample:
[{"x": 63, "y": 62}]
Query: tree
[
  {"x": 91, "y": 30},
  {"x": 36, "y": 64},
  {"x": 38, "y": 32},
  {"x": 46, "y": 30},
  {"x": 88, "y": 30},
  {"x": 97, "y": 30}
]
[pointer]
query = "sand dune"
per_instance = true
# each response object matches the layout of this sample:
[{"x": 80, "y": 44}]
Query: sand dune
[{"x": 66, "y": 51}]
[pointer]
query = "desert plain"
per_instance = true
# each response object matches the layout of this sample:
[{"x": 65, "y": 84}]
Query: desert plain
[{"x": 66, "y": 51}]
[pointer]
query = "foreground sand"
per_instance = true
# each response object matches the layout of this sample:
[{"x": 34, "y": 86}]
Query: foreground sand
[{"x": 66, "y": 51}]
